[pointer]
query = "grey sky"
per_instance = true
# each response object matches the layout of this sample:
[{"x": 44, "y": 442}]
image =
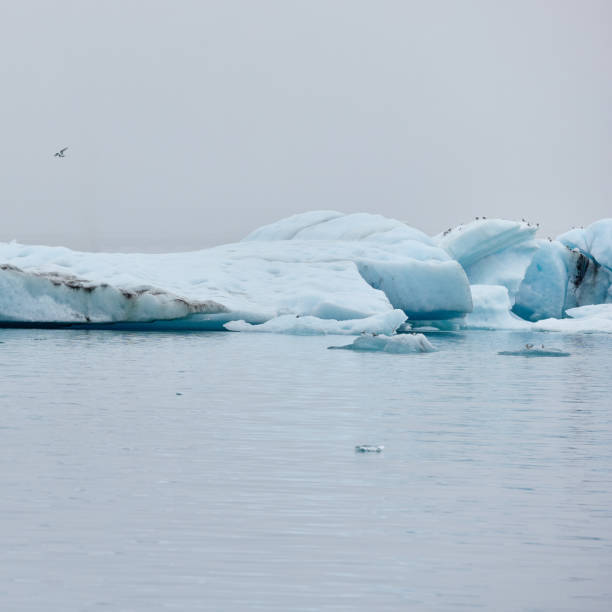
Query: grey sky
[{"x": 190, "y": 123}]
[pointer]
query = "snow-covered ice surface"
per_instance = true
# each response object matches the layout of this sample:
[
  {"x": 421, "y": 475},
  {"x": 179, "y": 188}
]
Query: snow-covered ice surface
[
  {"x": 584, "y": 319},
  {"x": 494, "y": 490},
  {"x": 401, "y": 343},
  {"x": 334, "y": 267},
  {"x": 327, "y": 265},
  {"x": 483, "y": 238}
]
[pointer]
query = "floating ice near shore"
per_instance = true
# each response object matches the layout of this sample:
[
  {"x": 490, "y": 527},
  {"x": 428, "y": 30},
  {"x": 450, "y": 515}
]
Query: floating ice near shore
[
  {"x": 324, "y": 272},
  {"x": 585, "y": 319},
  {"x": 386, "y": 323},
  {"x": 401, "y": 343}
]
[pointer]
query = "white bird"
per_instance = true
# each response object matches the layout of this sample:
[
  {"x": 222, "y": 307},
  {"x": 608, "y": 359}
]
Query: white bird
[{"x": 61, "y": 152}]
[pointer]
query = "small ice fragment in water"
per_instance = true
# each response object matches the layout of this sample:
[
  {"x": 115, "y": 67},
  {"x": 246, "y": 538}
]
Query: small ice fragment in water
[
  {"x": 531, "y": 351},
  {"x": 368, "y": 448},
  {"x": 400, "y": 343}
]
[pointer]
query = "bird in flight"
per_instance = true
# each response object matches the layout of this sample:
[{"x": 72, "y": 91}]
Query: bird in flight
[{"x": 61, "y": 152}]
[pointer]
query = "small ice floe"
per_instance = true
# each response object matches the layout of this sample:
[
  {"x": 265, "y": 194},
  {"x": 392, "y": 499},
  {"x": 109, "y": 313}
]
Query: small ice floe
[
  {"x": 531, "y": 350},
  {"x": 368, "y": 448},
  {"x": 400, "y": 343}
]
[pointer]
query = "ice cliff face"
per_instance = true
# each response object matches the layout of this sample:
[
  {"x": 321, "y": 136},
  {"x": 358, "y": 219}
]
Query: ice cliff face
[
  {"x": 543, "y": 278},
  {"x": 324, "y": 265}
]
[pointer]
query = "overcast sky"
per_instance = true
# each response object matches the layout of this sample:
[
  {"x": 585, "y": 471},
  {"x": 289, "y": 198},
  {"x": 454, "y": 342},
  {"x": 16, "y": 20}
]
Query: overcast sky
[{"x": 190, "y": 123}]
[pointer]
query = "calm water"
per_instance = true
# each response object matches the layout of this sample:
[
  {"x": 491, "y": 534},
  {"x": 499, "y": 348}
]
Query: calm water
[{"x": 494, "y": 490}]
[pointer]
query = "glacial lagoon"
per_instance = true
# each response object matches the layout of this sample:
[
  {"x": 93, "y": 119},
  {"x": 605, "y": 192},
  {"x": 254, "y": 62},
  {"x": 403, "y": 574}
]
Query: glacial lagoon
[{"x": 217, "y": 471}]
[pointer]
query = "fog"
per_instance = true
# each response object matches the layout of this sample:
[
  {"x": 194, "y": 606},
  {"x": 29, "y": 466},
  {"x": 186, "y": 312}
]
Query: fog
[{"x": 190, "y": 123}]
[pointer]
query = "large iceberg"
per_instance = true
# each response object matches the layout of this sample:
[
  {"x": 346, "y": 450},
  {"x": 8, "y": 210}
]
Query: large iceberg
[
  {"x": 270, "y": 274},
  {"x": 543, "y": 278},
  {"x": 323, "y": 272}
]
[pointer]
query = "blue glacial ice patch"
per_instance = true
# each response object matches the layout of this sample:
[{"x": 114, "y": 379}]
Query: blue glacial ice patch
[
  {"x": 424, "y": 290},
  {"x": 560, "y": 278}
]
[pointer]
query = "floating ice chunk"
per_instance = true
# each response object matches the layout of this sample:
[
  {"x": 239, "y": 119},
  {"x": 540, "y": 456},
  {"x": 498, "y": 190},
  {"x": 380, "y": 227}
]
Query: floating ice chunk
[
  {"x": 368, "y": 448},
  {"x": 385, "y": 323},
  {"x": 422, "y": 289},
  {"x": 588, "y": 325},
  {"x": 594, "y": 311},
  {"x": 492, "y": 309},
  {"x": 469, "y": 243},
  {"x": 401, "y": 343},
  {"x": 533, "y": 351},
  {"x": 585, "y": 319}
]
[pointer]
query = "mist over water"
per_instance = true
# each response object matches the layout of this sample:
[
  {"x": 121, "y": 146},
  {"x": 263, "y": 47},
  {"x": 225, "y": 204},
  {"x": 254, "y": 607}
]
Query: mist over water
[{"x": 494, "y": 489}]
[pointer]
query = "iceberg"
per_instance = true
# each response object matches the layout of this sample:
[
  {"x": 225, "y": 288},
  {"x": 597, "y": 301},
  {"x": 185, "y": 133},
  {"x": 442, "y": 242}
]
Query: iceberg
[
  {"x": 308, "y": 265},
  {"x": 323, "y": 272},
  {"x": 400, "y": 343},
  {"x": 559, "y": 278}
]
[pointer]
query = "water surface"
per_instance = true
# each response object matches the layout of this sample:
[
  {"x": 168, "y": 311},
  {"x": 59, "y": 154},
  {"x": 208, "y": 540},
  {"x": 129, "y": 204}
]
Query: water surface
[{"x": 245, "y": 492}]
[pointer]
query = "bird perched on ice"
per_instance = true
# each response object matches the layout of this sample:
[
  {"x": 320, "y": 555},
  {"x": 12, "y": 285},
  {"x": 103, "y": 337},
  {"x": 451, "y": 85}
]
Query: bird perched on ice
[{"x": 61, "y": 152}]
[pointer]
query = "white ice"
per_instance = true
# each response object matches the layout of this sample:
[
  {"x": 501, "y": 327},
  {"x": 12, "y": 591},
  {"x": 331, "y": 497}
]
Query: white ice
[
  {"x": 492, "y": 309},
  {"x": 386, "y": 323},
  {"x": 585, "y": 319},
  {"x": 256, "y": 279},
  {"x": 400, "y": 343},
  {"x": 326, "y": 265}
]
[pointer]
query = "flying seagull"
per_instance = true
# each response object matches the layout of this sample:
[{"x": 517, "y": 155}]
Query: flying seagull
[{"x": 61, "y": 152}]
